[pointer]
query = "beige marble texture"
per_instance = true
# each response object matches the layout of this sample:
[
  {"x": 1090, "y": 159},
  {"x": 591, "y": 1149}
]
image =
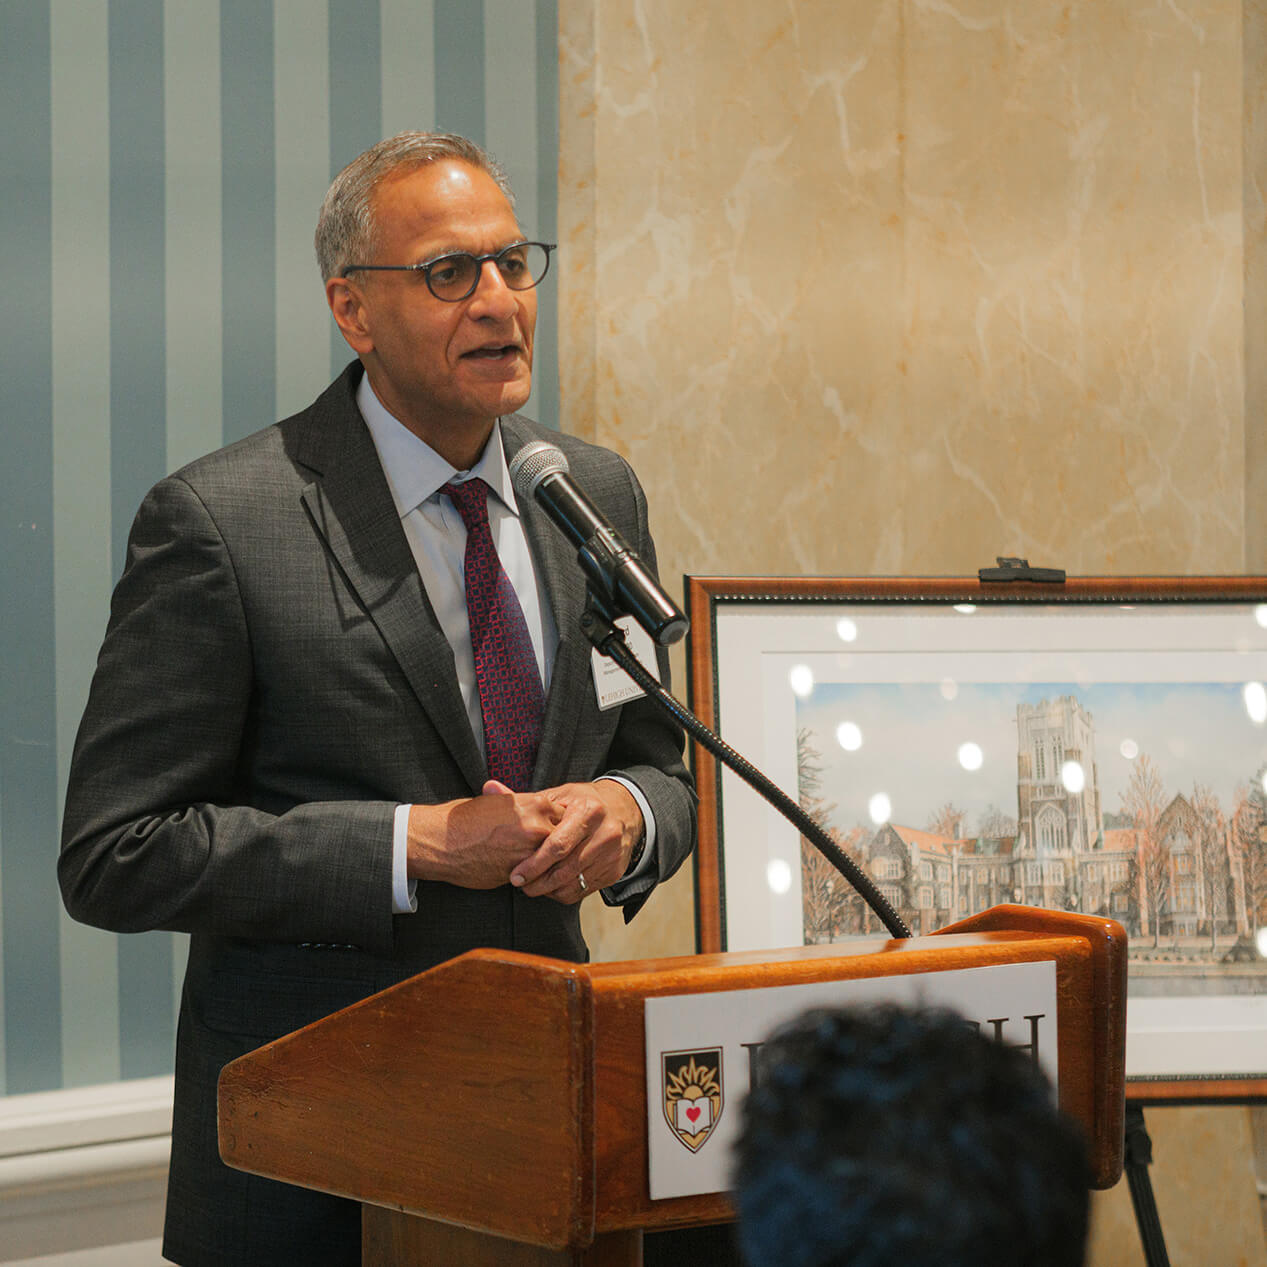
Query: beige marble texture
[
  {"x": 911, "y": 284},
  {"x": 1254, "y": 151},
  {"x": 894, "y": 286}
]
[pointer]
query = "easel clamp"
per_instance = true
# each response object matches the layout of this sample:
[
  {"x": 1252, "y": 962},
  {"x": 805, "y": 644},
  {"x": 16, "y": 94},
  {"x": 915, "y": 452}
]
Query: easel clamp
[{"x": 1011, "y": 569}]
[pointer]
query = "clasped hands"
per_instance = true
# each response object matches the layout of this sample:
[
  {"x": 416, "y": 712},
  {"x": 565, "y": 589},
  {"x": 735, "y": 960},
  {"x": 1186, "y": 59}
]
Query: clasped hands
[{"x": 541, "y": 842}]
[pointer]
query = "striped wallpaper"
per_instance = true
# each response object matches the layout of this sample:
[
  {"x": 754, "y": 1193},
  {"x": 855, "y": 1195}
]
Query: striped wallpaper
[{"x": 162, "y": 164}]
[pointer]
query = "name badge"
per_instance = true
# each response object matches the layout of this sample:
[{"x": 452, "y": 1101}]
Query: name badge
[{"x": 612, "y": 685}]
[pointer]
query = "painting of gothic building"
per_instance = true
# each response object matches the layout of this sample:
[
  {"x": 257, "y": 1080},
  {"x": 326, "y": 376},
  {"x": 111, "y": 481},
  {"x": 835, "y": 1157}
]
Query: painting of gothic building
[{"x": 1184, "y": 870}]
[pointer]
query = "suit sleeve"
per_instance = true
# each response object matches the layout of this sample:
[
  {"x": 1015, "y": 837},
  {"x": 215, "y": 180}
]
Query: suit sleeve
[
  {"x": 159, "y": 831},
  {"x": 648, "y": 751}
]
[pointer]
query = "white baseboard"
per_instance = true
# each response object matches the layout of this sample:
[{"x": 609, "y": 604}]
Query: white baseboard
[
  {"x": 83, "y": 1174},
  {"x": 133, "y": 1254}
]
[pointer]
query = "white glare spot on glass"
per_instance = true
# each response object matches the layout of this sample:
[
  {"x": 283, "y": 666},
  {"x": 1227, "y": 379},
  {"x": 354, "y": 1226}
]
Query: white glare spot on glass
[
  {"x": 1129, "y": 749},
  {"x": 1260, "y": 940},
  {"x": 801, "y": 678},
  {"x": 1073, "y": 776},
  {"x": 848, "y": 736},
  {"x": 965, "y": 609},
  {"x": 949, "y": 688},
  {"x": 778, "y": 875},
  {"x": 971, "y": 756},
  {"x": 1260, "y": 615},
  {"x": 880, "y": 808},
  {"x": 846, "y": 630},
  {"x": 1255, "y": 702}
]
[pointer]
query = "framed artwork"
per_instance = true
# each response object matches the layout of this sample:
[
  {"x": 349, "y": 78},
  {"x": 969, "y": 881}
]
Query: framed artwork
[{"x": 1097, "y": 745}]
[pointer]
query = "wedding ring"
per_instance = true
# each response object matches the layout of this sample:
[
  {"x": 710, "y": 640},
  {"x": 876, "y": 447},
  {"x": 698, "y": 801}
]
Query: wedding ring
[{"x": 580, "y": 879}]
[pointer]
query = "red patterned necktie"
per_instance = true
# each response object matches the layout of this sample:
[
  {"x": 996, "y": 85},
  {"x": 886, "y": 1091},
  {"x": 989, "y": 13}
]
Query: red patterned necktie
[{"x": 511, "y": 699}]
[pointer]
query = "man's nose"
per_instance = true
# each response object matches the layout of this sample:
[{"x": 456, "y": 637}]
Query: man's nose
[{"x": 492, "y": 296}]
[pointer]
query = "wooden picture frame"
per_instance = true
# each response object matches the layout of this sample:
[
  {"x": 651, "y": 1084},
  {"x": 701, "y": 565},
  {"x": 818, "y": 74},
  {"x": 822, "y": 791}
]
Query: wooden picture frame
[{"x": 908, "y": 664}]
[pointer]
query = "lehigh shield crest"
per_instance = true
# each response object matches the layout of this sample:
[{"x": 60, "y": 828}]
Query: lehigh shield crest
[{"x": 691, "y": 1082}]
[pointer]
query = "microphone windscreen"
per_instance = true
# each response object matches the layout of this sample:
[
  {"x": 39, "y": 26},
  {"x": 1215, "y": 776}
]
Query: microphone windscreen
[{"x": 533, "y": 463}]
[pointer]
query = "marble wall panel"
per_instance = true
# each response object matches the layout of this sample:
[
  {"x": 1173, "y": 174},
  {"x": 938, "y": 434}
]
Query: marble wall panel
[
  {"x": 747, "y": 193},
  {"x": 1254, "y": 185},
  {"x": 909, "y": 284},
  {"x": 1074, "y": 292}
]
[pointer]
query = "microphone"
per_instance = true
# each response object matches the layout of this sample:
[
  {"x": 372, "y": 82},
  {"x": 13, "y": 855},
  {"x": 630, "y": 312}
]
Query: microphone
[{"x": 540, "y": 471}]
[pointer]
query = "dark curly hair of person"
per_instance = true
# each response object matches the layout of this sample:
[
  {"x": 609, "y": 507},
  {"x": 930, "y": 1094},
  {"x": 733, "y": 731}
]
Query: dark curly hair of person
[{"x": 880, "y": 1136}]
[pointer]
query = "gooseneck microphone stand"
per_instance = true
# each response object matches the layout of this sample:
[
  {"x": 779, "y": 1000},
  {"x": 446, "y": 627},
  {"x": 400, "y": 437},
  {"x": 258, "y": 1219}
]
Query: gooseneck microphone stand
[{"x": 597, "y": 623}]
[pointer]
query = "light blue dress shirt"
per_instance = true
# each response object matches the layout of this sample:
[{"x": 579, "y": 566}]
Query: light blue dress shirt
[{"x": 437, "y": 538}]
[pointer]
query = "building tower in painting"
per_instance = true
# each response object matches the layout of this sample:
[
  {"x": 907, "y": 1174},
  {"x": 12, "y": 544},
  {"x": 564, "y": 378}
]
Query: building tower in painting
[{"x": 1057, "y": 799}]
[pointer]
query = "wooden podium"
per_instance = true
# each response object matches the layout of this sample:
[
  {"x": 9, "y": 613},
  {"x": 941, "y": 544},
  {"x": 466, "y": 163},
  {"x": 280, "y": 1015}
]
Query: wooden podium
[{"x": 493, "y": 1110}]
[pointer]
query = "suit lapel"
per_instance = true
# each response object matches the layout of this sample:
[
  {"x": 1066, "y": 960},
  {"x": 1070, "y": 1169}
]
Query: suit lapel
[
  {"x": 571, "y": 682},
  {"x": 352, "y": 508}
]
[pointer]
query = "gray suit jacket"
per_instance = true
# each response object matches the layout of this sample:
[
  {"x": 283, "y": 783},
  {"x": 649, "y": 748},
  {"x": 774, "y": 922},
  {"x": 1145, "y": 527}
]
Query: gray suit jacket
[{"x": 272, "y": 684}]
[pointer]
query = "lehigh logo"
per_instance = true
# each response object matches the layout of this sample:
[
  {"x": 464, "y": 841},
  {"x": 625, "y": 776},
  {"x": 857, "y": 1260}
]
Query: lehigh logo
[{"x": 692, "y": 1094}]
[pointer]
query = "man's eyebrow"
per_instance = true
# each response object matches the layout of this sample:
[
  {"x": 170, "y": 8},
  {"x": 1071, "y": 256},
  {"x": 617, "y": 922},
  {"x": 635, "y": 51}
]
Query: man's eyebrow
[{"x": 441, "y": 252}]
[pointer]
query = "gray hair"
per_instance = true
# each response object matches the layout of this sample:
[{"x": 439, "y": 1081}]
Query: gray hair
[{"x": 345, "y": 228}]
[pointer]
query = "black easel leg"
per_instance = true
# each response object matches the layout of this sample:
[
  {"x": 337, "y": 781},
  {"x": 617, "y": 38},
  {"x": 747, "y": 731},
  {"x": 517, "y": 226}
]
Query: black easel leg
[{"x": 1139, "y": 1156}]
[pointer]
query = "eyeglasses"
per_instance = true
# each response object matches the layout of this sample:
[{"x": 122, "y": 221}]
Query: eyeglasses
[{"x": 455, "y": 277}]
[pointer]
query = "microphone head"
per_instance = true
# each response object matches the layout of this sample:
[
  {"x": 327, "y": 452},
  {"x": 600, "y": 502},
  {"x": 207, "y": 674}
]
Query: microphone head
[{"x": 533, "y": 463}]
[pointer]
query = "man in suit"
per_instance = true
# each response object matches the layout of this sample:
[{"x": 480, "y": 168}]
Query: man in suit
[{"x": 295, "y": 747}]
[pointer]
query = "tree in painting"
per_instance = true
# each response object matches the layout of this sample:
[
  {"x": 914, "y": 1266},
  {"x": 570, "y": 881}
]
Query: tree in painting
[
  {"x": 1143, "y": 802},
  {"x": 996, "y": 824},
  {"x": 829, "y": 905},
  {"x": 947, "y": 821},
  {"x": 1211, "y": 837},
  {"x": 1249, "y": 844}
]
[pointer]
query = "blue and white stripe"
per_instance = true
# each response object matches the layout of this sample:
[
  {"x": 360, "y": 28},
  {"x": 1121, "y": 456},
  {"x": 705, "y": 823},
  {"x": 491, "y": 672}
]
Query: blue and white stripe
[{"x": 163, "y": 164}]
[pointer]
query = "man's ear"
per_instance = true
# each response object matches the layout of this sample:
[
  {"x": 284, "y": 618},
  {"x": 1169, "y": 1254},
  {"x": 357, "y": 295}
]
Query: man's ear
[{"x": 348, "y": 308}]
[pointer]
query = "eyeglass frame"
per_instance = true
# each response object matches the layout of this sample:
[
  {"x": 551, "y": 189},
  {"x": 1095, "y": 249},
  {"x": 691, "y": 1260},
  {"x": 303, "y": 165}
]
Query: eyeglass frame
[{"x": 480, "y": 260}]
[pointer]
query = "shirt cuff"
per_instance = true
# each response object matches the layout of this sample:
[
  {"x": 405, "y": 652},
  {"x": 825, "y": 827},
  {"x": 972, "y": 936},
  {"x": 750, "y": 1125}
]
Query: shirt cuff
[
  {"x": 404, "y": 890},
  {"x": 647, "y": 860}
]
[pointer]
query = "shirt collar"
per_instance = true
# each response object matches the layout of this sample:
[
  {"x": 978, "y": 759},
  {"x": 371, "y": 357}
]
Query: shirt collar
[{"x": 414, "y": 470}]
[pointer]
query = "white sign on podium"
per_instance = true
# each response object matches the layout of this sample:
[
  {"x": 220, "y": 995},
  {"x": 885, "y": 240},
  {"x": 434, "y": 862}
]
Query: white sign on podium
[{"x": 700, "y": 1048}]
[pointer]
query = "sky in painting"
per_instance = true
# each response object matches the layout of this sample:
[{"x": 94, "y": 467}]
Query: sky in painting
[{"x": 911, "y": 736}]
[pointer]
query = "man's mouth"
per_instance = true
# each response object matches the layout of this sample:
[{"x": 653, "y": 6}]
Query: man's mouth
[{"x": 493, "y": 353}]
